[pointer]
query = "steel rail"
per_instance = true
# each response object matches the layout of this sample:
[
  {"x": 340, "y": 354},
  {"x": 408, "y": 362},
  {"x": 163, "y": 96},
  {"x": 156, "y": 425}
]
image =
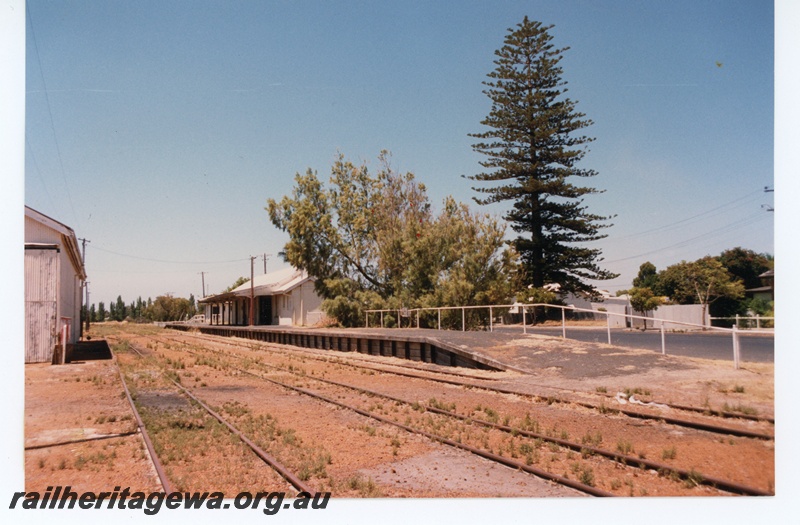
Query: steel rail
[
  {"x": 352, "y": 355},
  {"x": 588, "y": 489},
  {"x": 662, "y": 468},
  {"x": 552, "y": 399},
  {"x": 162, "y": 476},
  {"x": 83, "y": 440},
  {"x": 479, "y": 452},
  {"x": 624, "y": 459},
  {"x": 270, "y": 460},
  {"x": 697, "y": 425}
]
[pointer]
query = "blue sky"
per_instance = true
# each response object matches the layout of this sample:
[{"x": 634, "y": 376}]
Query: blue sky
[{"x": 158, "y": 130}]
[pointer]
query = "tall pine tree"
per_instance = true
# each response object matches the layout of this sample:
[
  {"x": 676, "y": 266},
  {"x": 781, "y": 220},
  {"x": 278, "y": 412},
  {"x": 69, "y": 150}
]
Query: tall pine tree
[{"x": 533, "y": 148}]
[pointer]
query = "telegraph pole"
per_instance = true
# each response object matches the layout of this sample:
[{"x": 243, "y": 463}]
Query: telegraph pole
[
  {"x": 203, "y": 276},
  {"x": 86, "y": 284},
  {"x": 265, "y": 257},
  {"x": 767, "y": 207},
  {"x": 252, "y": 293},
  {"x": 84, "y": 308}
]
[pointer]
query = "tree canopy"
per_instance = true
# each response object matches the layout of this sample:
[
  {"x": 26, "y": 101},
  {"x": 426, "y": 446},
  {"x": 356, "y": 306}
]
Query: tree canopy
[
  {"x": 700, "y": 282},
  {"x": 374, "y": 241},
  {"x": 534, "y": 144}
]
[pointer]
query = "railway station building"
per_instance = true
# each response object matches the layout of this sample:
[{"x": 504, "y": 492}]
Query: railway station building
[
  {"x": 284, "y": 297},
  {"x": 54, "y": 279}
]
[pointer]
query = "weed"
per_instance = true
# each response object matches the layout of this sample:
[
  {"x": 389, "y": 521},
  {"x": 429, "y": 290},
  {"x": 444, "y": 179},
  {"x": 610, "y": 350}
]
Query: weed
[
  {"x": 531, "y": 425},
  {"x": 601, "y": 389},
  {"x": 235, "y": 408},
  {"x": 587, "y": 476},
  {"x": 638, "y": 390},
  {"x": 669, "y": 453},
  {"x": 693, "y": 479},
  {"x": 615, "y": 484},
  {"x": 738, "y": 389},
  {"x": 289, "y": 437},
  {"x": 366, "y": 488},
  {"x": 592, "y": 439},
  {"x": 626, "y": 447},
  {"x": 742, "y": 409},
  {"x": 492, "y": 415}
]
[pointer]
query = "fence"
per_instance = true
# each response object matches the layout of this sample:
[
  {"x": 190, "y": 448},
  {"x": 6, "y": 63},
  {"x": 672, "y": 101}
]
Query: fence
[
  {"x": 747, "y": 322},
  {"x": 407, "y": 313}
]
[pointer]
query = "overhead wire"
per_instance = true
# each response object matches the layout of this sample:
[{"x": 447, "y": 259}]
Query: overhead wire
[
  {"x": 39, "y": 173},
  {"x": 677, "y": 224},
  {"x": 686, "y": 242},
  {"x": 50, "y": 113},
  {"x": 93, "y": 247}
]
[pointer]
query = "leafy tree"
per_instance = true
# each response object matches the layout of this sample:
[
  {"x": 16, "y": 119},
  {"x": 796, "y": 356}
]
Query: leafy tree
[
  {"x": 378, "y": 235},
  {"x": 237, "y": 283},
  {"x": 533, "y": 148},
  {"x": 119, "y": 311},
  {"x": 647, "y": 277},
  {"x": 192, "y": 305},
  {"x": 746, "y": 265},
  {"x": 643, "y": 300},
  {"x": 168, "y": 308},
  {"x": 700, "y": 282},
  {"x": 92, "y": 314},
  {"x": 101, "y": 312}
]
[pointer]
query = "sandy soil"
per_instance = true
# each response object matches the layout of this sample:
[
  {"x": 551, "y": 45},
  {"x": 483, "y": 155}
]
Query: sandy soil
[{"x": 367, "y": 458}]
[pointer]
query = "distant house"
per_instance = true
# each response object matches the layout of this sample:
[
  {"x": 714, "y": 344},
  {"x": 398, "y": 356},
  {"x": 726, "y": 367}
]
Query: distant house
[
  {"x": 284, "y": 297},
  {"x": 54, "y": 277},
  {"x": 767, "y": 289}
]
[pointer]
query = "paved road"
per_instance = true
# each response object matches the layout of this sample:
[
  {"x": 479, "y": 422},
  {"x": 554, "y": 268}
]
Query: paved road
[{"x": 758, "y": 348}]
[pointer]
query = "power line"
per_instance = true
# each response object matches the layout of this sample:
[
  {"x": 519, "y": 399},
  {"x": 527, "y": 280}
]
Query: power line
[
  {"x": 723, "y": 229},
  {"x": 50, "y": 113},
  {"x": 39, "y": 173},
  {"x": 687, "y": 219},
  {"x": 165, "y": 260}
]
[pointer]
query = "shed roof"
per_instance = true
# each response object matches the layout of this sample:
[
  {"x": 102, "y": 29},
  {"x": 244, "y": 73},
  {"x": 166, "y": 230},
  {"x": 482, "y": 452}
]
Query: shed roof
[
  {"x": 70, "y": 240},
  {"x": 274, "y": 283}
]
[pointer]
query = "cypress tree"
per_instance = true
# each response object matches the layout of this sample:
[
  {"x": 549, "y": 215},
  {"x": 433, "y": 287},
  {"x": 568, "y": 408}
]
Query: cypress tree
[{"x": 533, "y": 147}]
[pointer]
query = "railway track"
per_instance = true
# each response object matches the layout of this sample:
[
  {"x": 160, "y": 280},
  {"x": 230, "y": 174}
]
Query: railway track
[
  {"x": 708, "y": 423},
  {"x": 332, "y": 392},
  {"x": 290, "y": 477}
]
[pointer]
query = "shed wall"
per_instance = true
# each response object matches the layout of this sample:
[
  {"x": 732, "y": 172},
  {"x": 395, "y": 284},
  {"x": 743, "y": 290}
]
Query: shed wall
[
  {"x": 41, "y": 304},
  {"x": 69, "y": 285}
]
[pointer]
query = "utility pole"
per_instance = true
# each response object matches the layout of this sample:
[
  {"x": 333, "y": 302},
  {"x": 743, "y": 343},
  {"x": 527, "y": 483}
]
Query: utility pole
[
  {"x": 83, "y": 255},
  {"x": 767, "y": 207},
  {"x": 252, "y": 293},
  {"x": 84, "y": 308},
  {"x": 86, "y": 284},
  {"x": 203, "y": 275},
  {"x": 265, "y": 257}
]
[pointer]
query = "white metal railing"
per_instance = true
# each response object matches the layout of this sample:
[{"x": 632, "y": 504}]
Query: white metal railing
[
  {"x": 406, "y": 312},
  {"x": 746, "y": 320}
]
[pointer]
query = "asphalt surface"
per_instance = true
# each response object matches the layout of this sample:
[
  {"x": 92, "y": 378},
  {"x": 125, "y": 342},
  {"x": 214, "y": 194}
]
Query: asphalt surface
[{"x": 758, "y": 348}]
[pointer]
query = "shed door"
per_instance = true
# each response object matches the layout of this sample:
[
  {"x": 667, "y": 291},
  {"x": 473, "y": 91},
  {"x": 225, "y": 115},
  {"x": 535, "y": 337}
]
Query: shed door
[{"x": 41, "y": 308}]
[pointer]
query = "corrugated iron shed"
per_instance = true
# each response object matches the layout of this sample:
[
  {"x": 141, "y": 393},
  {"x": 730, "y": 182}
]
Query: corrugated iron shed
[{"x": 54, "y": 277}]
